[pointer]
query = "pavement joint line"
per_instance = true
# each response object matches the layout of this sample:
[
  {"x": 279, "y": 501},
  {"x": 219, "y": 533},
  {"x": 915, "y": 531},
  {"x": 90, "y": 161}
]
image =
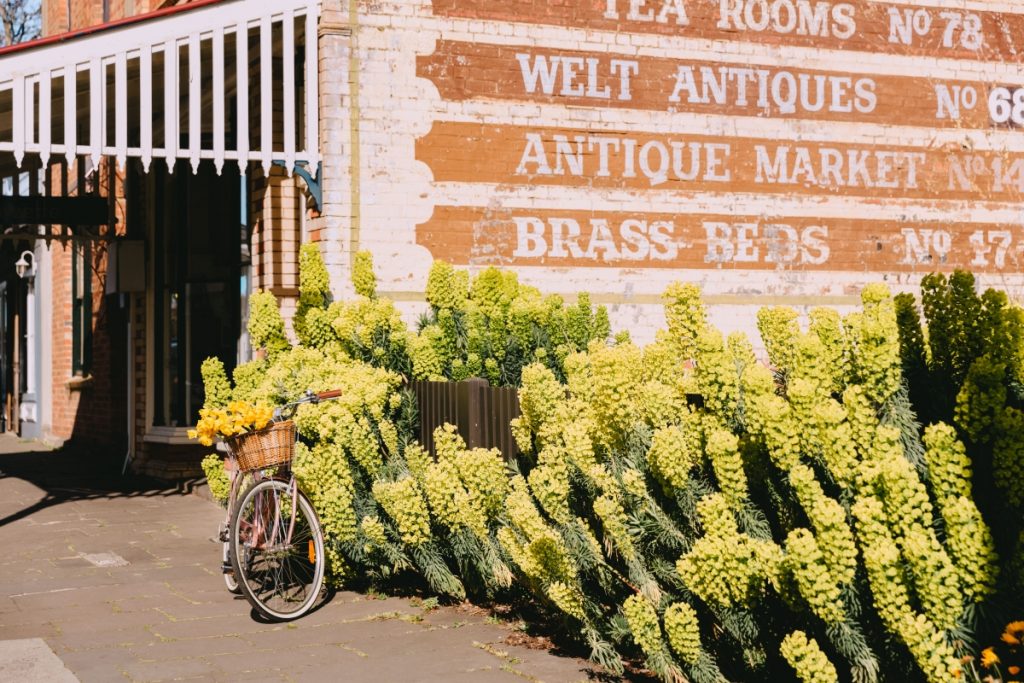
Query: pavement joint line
[
  {"x": 49, "y": 592},
  {"x": 508, "y": 661},
  {"x": 356, "y": 651}
]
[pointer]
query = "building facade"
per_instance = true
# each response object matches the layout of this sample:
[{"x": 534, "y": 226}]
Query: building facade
[{"x": 776, "y": 152}]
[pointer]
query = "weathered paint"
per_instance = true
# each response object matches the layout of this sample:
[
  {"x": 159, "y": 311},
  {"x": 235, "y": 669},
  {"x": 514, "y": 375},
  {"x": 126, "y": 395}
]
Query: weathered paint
[{"x": 773, "y": 151}]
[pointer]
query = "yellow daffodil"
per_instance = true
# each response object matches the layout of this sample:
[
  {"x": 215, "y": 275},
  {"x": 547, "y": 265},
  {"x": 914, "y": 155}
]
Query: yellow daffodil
[{"x": 238, "y": 418}]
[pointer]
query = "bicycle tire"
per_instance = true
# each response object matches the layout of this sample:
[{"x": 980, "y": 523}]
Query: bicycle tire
[
  {"x": 229, "y": 577},
  {"x": 281, "y": 580}
]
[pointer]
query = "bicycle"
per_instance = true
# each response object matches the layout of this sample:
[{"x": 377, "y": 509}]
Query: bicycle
[{"x": 273, "y": 544}]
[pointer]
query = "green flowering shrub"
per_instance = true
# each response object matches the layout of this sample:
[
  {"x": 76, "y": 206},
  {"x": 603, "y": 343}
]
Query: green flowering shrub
[
  {"x": 807, "y": 659},
  {"x": 314, "y": 297},
  {"x": 403, "y": 501},
  {"x": 216, "y": 387},
  {"x": 683, "y": 631},
  {"x": 266, "y": 326},
  {"x": 216, "y": 477},
  {"x": 779, "y": 330},
  {"x": 363, "y": 279},
  {"x": 971, "y": 379},
  {"x": 689, "y": 532},
  {"x": 493, "y": 326},
  {"x": 643, "y": 624}
]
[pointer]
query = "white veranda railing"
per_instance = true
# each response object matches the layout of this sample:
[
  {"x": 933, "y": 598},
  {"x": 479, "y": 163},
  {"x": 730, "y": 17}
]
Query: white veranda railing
[{"x": 230, "y": 81}]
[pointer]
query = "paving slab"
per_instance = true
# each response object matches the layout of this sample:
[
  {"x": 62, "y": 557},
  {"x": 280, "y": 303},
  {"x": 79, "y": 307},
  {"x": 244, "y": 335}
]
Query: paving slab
[
  {"x": 116, "y": 579},
  {"x": 32, "y": 661}
]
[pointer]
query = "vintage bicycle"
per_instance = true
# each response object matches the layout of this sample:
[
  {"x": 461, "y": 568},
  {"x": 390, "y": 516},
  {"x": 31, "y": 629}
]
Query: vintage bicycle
[{"x": 273, "y": 544}]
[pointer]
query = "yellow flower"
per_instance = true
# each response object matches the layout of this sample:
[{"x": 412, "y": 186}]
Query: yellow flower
[
  {"x": 988, "y": 658},
  {"x": 238, "y": 418}
]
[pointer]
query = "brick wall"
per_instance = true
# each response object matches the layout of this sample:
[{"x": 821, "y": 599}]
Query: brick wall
[
  {"x": 89, "y": 408},
  {"x": 85, "y": 13},
  {"x": 772, "y": 151}
]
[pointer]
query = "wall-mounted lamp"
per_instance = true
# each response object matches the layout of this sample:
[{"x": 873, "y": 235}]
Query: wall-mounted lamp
[{"x": 25, "y": 266}]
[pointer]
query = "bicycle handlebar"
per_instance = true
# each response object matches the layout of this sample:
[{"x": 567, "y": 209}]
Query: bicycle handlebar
[{"x": 288, "y": 409}]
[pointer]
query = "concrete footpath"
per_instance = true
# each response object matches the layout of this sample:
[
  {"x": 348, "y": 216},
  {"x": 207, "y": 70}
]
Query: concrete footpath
[{"x": 104, "y": 578}]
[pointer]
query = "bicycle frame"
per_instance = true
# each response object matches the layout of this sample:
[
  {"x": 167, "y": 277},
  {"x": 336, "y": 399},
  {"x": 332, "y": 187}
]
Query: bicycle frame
[{"x": 282, "y": 413}]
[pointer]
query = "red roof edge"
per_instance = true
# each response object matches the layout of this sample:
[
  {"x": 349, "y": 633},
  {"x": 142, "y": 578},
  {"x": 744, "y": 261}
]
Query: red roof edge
[{"x": 99, "y": 28}]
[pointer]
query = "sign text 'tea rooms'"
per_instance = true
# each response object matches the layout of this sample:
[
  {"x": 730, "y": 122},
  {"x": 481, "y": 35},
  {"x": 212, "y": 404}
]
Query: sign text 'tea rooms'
[{"x": 756, "y": 134}]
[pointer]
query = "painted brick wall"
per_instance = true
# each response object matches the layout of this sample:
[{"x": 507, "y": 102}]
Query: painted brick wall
[{"x": 773, "y": 151}]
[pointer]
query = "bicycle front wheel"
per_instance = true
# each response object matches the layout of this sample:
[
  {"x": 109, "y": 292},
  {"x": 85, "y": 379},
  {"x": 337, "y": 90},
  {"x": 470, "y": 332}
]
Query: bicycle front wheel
[{"x": 277, "y": 550}]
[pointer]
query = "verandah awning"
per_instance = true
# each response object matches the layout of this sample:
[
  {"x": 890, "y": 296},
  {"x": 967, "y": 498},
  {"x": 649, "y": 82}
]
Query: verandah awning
[{"x": 174, "y": 85}]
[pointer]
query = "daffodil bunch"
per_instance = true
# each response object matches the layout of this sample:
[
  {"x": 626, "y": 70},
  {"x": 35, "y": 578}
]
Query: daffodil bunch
[{"x": 239, "y": 417}]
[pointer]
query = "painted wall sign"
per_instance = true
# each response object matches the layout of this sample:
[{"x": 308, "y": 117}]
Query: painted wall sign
[{"x": 793, "y": 148}]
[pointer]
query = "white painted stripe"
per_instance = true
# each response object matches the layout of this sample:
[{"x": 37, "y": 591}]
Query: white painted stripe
[
  {"x": 554, "y": 198},
  {"x": 636, "y": 122}
]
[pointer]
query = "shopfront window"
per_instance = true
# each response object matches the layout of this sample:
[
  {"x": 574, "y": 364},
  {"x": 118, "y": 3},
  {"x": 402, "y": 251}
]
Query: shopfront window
[{"x": 197, "y": 269}]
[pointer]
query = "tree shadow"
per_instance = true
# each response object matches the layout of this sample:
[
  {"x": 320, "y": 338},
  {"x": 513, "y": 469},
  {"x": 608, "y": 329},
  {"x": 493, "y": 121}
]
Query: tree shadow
[{"x": 72, "y": 474}]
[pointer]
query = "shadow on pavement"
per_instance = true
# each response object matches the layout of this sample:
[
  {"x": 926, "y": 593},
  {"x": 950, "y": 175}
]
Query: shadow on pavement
[{"x": 70, "y": 474}]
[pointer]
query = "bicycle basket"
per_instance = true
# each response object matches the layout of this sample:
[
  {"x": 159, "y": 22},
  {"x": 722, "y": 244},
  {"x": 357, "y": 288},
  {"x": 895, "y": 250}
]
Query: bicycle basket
[{"x": 268, "y": 447}]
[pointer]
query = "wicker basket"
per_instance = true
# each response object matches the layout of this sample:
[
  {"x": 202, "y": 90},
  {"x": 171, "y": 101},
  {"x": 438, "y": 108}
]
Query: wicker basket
[{"x": 268, "y": 447}]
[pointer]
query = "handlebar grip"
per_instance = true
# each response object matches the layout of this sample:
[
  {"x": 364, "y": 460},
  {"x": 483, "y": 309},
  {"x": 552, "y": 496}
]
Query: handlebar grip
[{"x": 334, "y": 393}]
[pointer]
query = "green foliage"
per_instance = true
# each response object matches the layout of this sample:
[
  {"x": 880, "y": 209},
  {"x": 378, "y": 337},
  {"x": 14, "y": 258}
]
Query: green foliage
[
  {"x": 314, "y": 297},
  {"x": 693, "y": 535},
  {"x": 683, "y": 632},
  {"x": 372, "y": 331},
  {"x": 494, "y": 326},
  {"x": 216, "y": 388},
  {"x": 266, "y": 326},
  {"x": 972, "y": 380},
  {"x": 216, "y": 477},
  {"x": 807, "y": 659},
  {"x": 363, "y": 280}
]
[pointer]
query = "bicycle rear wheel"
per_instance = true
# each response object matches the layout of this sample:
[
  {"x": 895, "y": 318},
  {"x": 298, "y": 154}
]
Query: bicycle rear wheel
[{"x": 278, "y": 561}]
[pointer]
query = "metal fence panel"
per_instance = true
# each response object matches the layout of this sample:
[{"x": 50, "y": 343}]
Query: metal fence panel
[{"x": 480, "y": 412}]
